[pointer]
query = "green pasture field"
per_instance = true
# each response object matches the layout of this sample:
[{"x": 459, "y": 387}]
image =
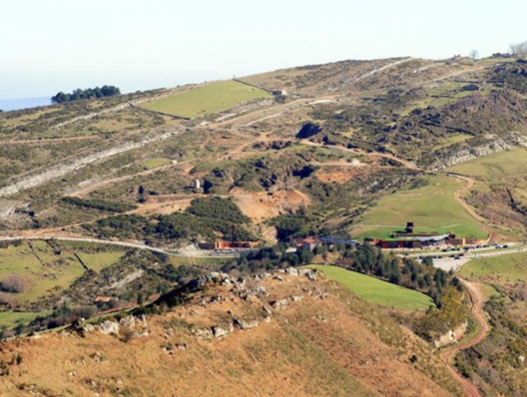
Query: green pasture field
[
  {"x": 12, "y": 319},
  {"x": 206, "y": 99},
  {"x": 432, "y": 208},
  {"x": 154, "y": 163},
  {"x": 494, "y": 166},
  {"x": 55, "y": 272},
  {"x": 377, "y": 291},
  {"x": 503, "y": 268}
]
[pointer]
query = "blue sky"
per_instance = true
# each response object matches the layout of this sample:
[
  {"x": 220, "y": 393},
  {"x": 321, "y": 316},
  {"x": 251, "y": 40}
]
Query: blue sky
[{"x": 53, "y": 45}]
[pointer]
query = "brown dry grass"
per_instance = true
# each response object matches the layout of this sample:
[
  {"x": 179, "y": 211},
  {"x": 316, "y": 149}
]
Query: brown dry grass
[{"x": 336, "y": 346}]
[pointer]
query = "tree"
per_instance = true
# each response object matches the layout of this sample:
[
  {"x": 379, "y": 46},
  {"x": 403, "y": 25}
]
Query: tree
[
  {"x": 89, "y": 93},
  {"x": 474, "y": 54},
  {"x": 428, "y": 261},
  {"x": 519, "y": 50}
]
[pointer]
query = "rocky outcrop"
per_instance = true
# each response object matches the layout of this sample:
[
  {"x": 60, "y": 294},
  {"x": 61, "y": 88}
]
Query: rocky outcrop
[
  {"x": 490, "y": 144},
  {"x": 109, "y": 328},
  {"x": 37, "y": 178},
  {"x": 452, "y": 336}
]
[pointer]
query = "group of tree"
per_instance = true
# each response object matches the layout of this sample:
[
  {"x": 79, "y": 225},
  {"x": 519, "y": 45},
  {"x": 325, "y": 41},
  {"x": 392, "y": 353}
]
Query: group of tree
[
  {"x": 206, "y": 219},
  {"x": 407, "y": 272},
  {"x": 89, "y": 93}
]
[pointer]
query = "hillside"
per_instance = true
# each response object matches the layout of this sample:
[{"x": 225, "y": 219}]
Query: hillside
[
  {"x": 230, "y": 337},
  {"x": 110, "y": 206},
  {"x": 379, "y": 126}
]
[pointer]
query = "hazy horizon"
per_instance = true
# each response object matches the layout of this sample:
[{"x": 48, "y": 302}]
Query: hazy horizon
[{"x": 60, "y": 46}]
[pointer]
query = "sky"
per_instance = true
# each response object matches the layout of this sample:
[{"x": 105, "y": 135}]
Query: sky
[{"x": 60, "y": 45}]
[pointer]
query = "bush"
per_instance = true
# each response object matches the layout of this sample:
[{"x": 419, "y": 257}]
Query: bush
[
  {"x": 14, "y": 283},
  {"x": 98, "y": 204},
  {"x": 6, "y": 299}
]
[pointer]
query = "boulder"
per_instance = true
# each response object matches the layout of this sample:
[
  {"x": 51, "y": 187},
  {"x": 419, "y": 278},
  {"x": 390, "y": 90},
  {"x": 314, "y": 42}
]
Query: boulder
[
  {"x": 203, "y": 333},
  {"x": 311, "y": 276},
  {"x": 245, "y": 325},
  {"x": 109, "y": 328},
  {"x": 182, "y": 346},
  {"x": 128, "y": 322},
  {"x": 219, "y": 332},
  {"x": 280, "y": 304},
  {"x": 292, "y": 271},
  {"x": 261, "y": 291}
]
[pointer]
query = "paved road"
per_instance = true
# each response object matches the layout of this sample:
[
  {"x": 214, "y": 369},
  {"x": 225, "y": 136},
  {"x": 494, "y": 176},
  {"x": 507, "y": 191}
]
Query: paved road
[{"x": 447, "y": 263}]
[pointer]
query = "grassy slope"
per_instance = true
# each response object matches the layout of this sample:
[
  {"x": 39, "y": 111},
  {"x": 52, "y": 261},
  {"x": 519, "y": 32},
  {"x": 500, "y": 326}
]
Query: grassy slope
[
  {"x": 100, "y": 260},
  {"x": 154, "y": 163},
  {"x": 431, "y": 208},
  {"x": 21, "y": 260},
  {"x": 12, "y": 319},
  {"x": 377, "y": 291},
  {"x": 495, "y": 166},
  {"x": 511, "y": 267},
  {"x": 59, "y": 271},
  {"x": 206, "y": 99}
]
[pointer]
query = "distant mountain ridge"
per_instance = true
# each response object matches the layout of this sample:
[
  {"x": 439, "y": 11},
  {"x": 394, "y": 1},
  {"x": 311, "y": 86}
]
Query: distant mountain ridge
[{"x": 23, "y": 103}]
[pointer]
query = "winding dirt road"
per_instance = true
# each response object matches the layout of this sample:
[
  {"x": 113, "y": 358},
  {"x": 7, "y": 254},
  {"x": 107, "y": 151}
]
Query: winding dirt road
[
  {"x": 477, "y": 300},
  {"x": 458, "y": 195}
]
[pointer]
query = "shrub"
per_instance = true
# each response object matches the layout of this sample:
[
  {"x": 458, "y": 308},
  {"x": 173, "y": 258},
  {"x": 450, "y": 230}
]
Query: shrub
[
  {"x": 6, "y": 299},
  {"x": 14, "y": 283}
]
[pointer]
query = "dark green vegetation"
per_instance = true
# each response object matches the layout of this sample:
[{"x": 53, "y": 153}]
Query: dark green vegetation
[
  {"x": 201, "y": 221},
  {"x": 89, "y": 93},
  {"x": 101, "y": 205}
]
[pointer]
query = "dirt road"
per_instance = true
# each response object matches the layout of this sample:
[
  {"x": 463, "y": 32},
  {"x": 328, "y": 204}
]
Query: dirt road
[
  {"x": 477, "y": 301},
  {"x": 403, "y": 162},
  {"x": 458, "y": 195}
]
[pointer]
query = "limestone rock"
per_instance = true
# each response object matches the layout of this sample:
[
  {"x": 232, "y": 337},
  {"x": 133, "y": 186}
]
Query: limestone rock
[
  {"x": 109, "y": 328},
  {"x": 245, "y": 325},
  {"x": 219, "y": 332},
  {"x": 292, "y": 271},
  {"x": 280, "y": 304}
]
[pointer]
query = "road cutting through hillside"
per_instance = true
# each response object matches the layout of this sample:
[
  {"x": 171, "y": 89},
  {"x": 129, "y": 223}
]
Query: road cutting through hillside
[
  {"x": 388, "y": 156},
  {"x": 477, "y": 300}
]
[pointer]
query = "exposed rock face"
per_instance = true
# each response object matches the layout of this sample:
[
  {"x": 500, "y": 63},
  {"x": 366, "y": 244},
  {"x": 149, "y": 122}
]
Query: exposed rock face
[
  {"x": 292, "y": 271},
  {"x": 451, "y": 336},
  {"x": 491, "y": 145},
  {"x": 280, "y": 304},
  {"x": 245, "y": 325},
  {"x": 30, "y": 180},
  {"x": 220, "y": 332},
  {"x": 109, "y": 328}
]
